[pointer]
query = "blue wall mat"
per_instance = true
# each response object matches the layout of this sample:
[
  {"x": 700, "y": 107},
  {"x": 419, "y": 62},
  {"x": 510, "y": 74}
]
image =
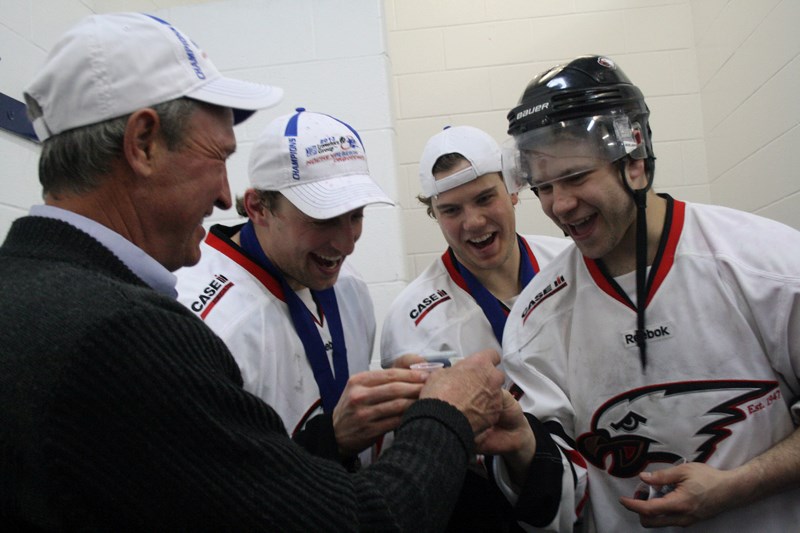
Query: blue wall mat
[{"x": 14, "y": 119}]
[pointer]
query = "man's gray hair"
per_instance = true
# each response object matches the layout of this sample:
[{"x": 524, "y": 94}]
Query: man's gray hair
[{"x": 74, "y": 161}]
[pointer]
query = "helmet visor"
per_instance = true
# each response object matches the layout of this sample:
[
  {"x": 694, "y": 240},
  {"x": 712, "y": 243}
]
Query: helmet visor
[{"x": 566, "y": 149}]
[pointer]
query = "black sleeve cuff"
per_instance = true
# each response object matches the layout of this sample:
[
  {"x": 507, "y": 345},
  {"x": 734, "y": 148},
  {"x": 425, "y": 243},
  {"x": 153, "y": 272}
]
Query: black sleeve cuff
[
  {"x": 447, "y": 415},
  {"x": 540, "y": 496}
]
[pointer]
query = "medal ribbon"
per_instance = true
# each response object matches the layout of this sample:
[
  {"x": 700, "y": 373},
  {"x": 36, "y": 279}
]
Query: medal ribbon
[
  {"x": 330, "y": 383},
  {"x": 495, "y": 311}
]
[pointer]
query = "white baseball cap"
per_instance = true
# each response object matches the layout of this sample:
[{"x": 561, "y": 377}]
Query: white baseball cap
[
  {"x": 476, "y": 146},
  {"x": 110, "y": 65},
  {"x": 317, "y": 162}
]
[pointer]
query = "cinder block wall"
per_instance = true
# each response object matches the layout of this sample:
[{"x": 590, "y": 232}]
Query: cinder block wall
[
  {"x": 720, "y": 78},
  {"x": 749, "y": 75},
  {"x": 467, "y": 62}
]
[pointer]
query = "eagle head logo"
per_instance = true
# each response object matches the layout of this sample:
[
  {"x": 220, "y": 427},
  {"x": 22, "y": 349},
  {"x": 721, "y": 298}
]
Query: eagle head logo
[{"x": 663, "y": 423}]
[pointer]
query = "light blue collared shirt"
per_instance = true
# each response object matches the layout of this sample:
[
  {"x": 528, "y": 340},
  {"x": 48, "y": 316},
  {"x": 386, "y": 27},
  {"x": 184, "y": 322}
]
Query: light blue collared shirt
[{"x": 148, "y": 269}]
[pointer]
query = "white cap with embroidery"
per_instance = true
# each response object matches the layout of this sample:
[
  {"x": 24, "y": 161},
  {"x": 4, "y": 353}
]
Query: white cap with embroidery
[
  {"x": 110, "y": 65},
  {"x": 317, "y": 162}
]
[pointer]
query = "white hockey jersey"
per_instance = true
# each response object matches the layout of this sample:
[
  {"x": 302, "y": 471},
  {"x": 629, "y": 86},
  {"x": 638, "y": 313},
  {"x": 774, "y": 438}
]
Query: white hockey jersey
[
  {"x": 720, "y": 384},
  {"x": 437, "y": 313},
  {"x": 241, "y": 303}
]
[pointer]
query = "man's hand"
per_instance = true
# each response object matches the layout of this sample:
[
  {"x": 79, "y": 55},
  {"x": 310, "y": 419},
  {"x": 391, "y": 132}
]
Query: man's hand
[
  {"x": 473, "y": 386},
  {"x": 371, "y": 405},
  {"x": 512, "y": 438},
  {"x": 701, "y": 492}
]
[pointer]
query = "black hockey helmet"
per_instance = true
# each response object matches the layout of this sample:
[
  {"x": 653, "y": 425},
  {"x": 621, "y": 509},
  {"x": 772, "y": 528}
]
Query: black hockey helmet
[
  {"x": 576, "y": 96},
  {"x": 587, "y": 85}
]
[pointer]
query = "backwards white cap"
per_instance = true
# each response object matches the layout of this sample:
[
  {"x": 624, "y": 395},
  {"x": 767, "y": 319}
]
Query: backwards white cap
[
  {"x": 476, "y": 146},
  {"x": 317, "y": 162},
  {"x": 110, "y": 65}
]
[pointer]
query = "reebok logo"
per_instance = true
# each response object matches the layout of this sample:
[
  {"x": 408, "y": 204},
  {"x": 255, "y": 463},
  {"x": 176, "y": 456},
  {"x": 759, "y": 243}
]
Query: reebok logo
[{"x": 657, "y": 333}]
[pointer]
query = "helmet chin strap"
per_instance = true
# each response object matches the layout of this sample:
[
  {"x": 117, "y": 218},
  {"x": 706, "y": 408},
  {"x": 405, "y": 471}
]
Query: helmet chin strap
[{"x": 640, "y": 200}]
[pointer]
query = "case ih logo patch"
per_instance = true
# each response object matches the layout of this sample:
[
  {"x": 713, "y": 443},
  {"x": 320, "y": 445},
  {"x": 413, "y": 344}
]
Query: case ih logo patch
[
  {"x": 554, "y": 286},
  {"x": 627, "y": 431},
  {"x": 428, "y": 303},
  {"x": 211, "y": 294}
]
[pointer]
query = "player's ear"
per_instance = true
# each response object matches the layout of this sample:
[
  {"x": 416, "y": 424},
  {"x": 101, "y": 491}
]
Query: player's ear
[
  {"x": 142, "y": 141},
  {"x": 256, "y": 208},
  {"x": 635, "y": 173}
]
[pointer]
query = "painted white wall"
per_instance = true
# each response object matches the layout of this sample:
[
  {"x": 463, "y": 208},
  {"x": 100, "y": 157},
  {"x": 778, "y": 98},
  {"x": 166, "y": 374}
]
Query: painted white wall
[{"x": 720, "y": 76}]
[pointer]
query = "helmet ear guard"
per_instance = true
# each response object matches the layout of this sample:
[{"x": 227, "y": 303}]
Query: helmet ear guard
[{"x": 639, "y": 136}]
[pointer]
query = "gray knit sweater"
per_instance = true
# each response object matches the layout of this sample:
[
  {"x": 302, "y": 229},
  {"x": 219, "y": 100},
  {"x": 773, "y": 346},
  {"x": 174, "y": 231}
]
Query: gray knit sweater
[{"x": 119, "y": 410}]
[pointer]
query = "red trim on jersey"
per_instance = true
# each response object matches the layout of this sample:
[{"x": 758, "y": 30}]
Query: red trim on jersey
[
  {"x": 377, "y": 448},
  {"x": 662, "y": 268},
  {"x": 229, "y": 249},
  {"x": 321, "y": 320},
  {"x": 678, "y": 217},
  {"x": 453, "y": 271},
  {"x": 516, "y": 391},
  {"x": 578, "y": 460},
  {"x": 226, "y": 248},
  {"x": 601, "y": 281},
  {"x": 534, "y": 262}
]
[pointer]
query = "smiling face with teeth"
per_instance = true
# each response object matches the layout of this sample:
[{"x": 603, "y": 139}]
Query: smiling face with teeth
[
  {"x": 477, "y": 221},
  {"x": 178, "y": 187},
  {"x": 585, "y": 196},
  {"x": 308, "y": 251}
]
